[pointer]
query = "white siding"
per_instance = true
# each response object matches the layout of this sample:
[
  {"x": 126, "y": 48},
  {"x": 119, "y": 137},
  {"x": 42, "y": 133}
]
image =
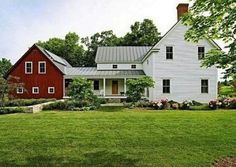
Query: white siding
[
  {"x": 120, "y": 66},
  {"x": 184, "y": 70}
]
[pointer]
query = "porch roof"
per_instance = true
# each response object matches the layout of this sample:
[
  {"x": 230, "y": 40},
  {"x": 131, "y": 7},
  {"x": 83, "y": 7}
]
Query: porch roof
[{"x": 92, "y": 71}]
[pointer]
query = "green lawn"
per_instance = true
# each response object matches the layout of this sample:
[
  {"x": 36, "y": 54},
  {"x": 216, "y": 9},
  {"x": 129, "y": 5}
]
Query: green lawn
[{"x": 120, "y": 138}]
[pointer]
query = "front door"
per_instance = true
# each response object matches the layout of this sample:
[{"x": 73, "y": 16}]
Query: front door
[{"x": 114, "y": 87}]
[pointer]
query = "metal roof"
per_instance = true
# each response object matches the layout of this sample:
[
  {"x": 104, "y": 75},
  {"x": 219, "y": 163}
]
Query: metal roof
[
  {"x": 92, "y": 71},
  {"x": 121, "y": 54}
]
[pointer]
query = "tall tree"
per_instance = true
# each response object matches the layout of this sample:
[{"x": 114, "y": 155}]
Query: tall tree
[
  {"x": 142, "y": 34},
  {"x": 216, "y": 20},
  {"x": 105, "y": 38},
  {"x": 68, "y": 48},
  {"x": 5, "y": 65}
]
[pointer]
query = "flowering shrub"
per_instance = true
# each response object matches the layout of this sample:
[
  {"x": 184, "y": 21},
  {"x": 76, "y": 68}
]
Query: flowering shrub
[
  {"x": 213, "y": 104},
  {"x": 175, "y": 106},
  {"x": 157, "y": 105}
]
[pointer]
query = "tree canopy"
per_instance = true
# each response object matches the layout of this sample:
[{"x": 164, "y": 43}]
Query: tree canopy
[
  {"x": 68, "y": 48},
  {"x": 215, "y": 20},
  {"x": 142, "y": 34},
  {"x": 5, "y": 65}
]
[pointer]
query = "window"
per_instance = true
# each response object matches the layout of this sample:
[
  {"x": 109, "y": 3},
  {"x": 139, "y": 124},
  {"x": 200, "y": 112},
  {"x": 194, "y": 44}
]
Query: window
[
  {"x": 96, "y": 84},
  {"x": 28, "y": 67},
  {"x": 35, "y": 90},
  {"x": 201, "y": 53},
  {"x": 204, "y": 86},
  {"x": 42, "y": 67},
  {"x": 19, "y": 90},
  {"x": 51, "y": 90},
  {"x": 114, "y": 66},
  {"x": 169, "y": 52},
  {"x": 133, "y": 66},
  {"x": 166, "y": 85}
]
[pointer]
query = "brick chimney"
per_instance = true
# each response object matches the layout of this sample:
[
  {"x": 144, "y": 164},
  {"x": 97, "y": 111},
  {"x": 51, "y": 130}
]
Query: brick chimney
[{"x": 182, "y": 8}]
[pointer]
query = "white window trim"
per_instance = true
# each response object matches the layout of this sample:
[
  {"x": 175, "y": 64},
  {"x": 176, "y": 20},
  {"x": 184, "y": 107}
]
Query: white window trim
[
  {"x": 208, "y": 86},
  {"x": 163, "y": 85},
  {"x": 44, "y": 62},
  {"x": 172, "y": 52},
  {"x": 19, "y": 92},
  {"x": 33, "y": 90},
  {"x": 26, "y": 67},
  {"x": 51, "y": 88}
]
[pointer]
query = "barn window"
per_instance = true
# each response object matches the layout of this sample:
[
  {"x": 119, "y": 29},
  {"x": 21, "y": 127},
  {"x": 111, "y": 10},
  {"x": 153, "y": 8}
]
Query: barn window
[
  {"x": 114, "y": 66},
  {"x": 204, "y": 86},
  {"x": 133, "y": 66},
  {"x": 169, "y": 52},
  {"x": 35, "y": 90},
  {"x": 28, "y": 67},
  {"x": 201, "y": 53},
  {"x": 19, "y": 90},
  {"x": 51, "y": 90},
  {"x": 166, "y": 85},
  {"x": 96, "y": 84},
  {"x": 42, "y": 67}
]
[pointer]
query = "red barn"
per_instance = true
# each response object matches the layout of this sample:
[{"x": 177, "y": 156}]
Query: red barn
[{"x": 41, "y": 73}]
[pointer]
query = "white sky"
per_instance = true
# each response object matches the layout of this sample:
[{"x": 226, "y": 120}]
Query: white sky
[{"x": 24, "y": 22}]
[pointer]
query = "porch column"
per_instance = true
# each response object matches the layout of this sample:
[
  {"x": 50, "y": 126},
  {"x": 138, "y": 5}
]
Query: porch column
[
  {"x": 104, "y": 87},
  {"x": 124, "y": 86}
]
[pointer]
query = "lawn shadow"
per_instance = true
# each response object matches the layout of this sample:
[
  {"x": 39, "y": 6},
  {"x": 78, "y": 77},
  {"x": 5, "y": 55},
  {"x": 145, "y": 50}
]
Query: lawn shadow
[{"x": 90, "y": 159}]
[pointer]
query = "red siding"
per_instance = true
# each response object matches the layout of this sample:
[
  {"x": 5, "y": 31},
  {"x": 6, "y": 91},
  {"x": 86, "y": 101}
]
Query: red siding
[{"x": 52, "y": 78}]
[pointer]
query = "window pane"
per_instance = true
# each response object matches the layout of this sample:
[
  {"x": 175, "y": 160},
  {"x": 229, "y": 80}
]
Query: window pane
[
  {"x": 166, "y": 86},
  {"x": 96, "y": 85},
  {"x": 169, "y": 52},
  {"x": 114, "y": 66},
  {"x": 204, "y": 86},
  {"x": 133, "y": 66},
  {"x": 201, "y": 52}
]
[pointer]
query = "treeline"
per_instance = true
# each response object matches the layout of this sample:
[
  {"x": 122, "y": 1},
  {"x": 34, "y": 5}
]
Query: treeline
[{"x": 82, "y": 51}]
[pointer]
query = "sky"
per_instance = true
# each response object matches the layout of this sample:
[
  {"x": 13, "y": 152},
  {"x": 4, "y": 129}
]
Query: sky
[{"x": 25, "y": 22}]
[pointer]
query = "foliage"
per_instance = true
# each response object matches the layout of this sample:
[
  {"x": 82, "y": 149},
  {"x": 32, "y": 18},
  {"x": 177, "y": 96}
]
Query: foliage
[
  {"x": 25, "y": 102},
  {"x": 71, "y": 105},
  {"x": 214, "y": 20},
  {"x": 186, "y": 105},
  {"x": 137, "y": 86},
  {"x": 105, "y": 38},
  {"x": 160, "y": 105},
  {"x": 7, "y": 86},
  {"x": 80, "y": 89},
  {"x": 142, "y": 34},
  {"x": 69, "y": 48},
  {"x": 5, "y": 66},
  {"x": 11, "y": 110}
]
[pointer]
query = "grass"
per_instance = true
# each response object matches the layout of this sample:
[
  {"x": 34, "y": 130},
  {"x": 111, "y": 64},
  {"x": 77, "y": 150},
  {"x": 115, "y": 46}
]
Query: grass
[{"x": 123, "y": 138}]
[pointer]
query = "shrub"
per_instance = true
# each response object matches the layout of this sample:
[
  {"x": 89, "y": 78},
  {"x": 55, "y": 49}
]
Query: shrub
[
  {"x": 186, "y": 105},
  {"x": 196, "y": 103},
  {"x": 26, "y": 102},
  {"x": 232, "y": 104},
  {"x": 213, "y": 104},
  {"x": 175, "y": 106},
  {"x": 6, "y": 110}
]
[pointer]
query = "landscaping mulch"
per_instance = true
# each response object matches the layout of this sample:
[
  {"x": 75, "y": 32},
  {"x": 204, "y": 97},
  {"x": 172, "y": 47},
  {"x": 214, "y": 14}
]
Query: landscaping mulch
[{"x": 226, "y": 162}]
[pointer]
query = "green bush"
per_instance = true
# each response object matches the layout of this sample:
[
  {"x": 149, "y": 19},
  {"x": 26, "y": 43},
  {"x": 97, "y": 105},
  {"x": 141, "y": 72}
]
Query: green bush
[
  {"x": 11, "y": 110},
  {"x": 25, "y": 102}
]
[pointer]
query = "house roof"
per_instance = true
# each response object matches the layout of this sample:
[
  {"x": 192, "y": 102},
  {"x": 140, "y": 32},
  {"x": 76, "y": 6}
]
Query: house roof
[
  {"x": 92, "y": 71},
  {"x": 59, "y": 62},
  {"x": 121, "y": 54}
]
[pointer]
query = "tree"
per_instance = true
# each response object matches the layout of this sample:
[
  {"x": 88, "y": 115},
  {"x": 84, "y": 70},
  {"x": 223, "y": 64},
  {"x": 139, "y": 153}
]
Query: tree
[
  {"x": 68, "y": 48},
  {"x": 136, "y": 87},
  {"x": 142, "y": 34},
  {"x": 80, "y": 89},
  {"x": 105, "y": 38},
  {"x": 5, "y": 66},
  {"x": 215, "y": 20}
]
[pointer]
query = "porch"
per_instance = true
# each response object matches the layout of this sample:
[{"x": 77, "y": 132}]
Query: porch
[{"x": 110, "y": 88}]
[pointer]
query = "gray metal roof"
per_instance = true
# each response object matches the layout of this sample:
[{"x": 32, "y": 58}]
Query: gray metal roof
[
  {"x": 92, "y": 71},
  {"x": 58, "y": 61},
  {"x": 121, "y": 54}
]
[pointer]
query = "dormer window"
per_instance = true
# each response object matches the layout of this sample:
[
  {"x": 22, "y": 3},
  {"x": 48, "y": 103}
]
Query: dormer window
[
  {"x": 114, "y": 66},
  {"x": 19, "y": 90},
  {"x": 201, "y": 52},
  {"x": 169, "y": 52},
  {"x": 42, "y": 67},
  {"x": 28, "y": 67},
  {"x": 133, "y": 66}
]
